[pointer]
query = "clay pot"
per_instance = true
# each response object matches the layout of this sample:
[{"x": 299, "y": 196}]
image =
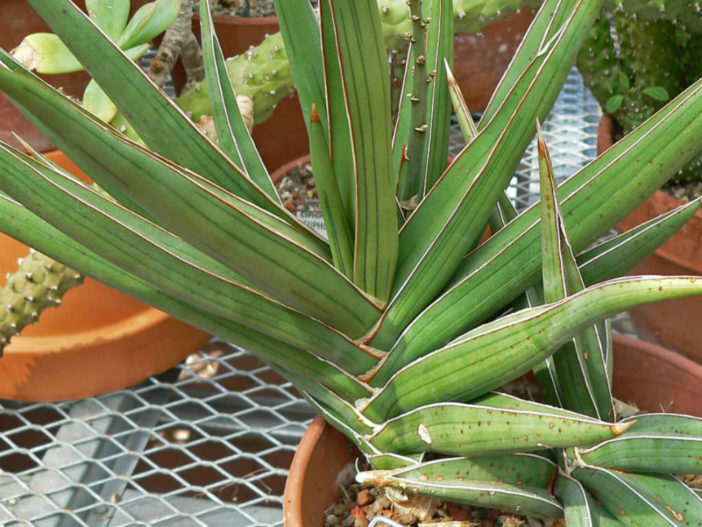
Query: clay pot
[
  {"x": 656, "y": 378},
  {"x": 674, "y": 323},
  {"x": 99, "y": 340}
]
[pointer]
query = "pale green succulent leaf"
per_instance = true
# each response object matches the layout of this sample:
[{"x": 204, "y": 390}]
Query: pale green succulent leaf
[
  {"x": 463, "y": 480},
  {"x": 145, "y": 106},
  {"x": 525, "y": 468},
  {"x": 335, "y": 219},
  {"x": 579, "y": 508},
  {"x": 103, "y": 153},
  {"x": 367, "y": 99},
  {"x": 109, "y": 15},
  {"x": 499, "y": 351},
  {"x": 642, "y": 500},
  {"x": 157, "y": 256},
  {"x": 550, "y": 16},
  {"x": 457, "y": 429},
  {"x": 497, "y": 271},
  {"x": 301, "y": 34},
  {"x": 149, "y": 21},
  {"x": 46, "y": 53},
  {"x": 460, "y": 107},
  {"x": 22, "y": 224},
  {"x": 439, "y": 53},
  {"x": 452, "y": 217},
  {"x": 98, "y": 103},
  {"x": 656, "y": 443},
  {"x": 579, "y": 365},
  {"x": 234, "y": 138},
  {"x": 340, "y": 145},
  {"x": 619, "y": 254}
]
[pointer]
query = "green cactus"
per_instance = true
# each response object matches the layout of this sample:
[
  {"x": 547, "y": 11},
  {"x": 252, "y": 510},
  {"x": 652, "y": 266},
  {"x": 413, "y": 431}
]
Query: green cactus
[
  {"x": 38, "y": 283},
  {"x": 263, "y": 72},
  {"x": 639, "y": 55}
]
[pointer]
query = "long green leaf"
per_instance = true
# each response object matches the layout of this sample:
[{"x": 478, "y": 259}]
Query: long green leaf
[
  {"x": 155, "y": 255},
  {"x": 661, "y": 443},
  {"x": 340, "y": 144},
  {"x": 361, "y": 48},
  {"x": 234, "y": 137},
  {"x": 463, "y": 480},
  {"x": 439, "y": 54},
  {"x": 452, "y": 217},
  {"x": 579, "y": 508},
  {"x": 580, "y": 364},
  {"x": 156, "y": 119},
  {"x": 468, "y": 366},
  {"x": 20, "y": 223},
  {"x": 619, "y": 255},
  {"x": 507, "y": 263},
  {"x": 473, "y": 429},
  {"x": 640, "y": 500},
  {"x": 333, "y": 210}
]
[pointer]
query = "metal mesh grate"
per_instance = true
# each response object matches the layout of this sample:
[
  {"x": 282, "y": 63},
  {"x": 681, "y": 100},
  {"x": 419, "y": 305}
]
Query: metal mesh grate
[{"x": 209, "y": 442}]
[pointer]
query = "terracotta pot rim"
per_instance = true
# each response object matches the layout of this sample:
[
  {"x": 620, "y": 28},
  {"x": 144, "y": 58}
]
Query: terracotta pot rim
[
  {"x": 132, "y": 325},
  {"x": 292, "y": 508},
  {"x": 278, "y": 173}
]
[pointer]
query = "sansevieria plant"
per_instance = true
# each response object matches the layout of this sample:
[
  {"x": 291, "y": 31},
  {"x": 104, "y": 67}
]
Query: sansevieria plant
[{"x": 400, "y": 328}]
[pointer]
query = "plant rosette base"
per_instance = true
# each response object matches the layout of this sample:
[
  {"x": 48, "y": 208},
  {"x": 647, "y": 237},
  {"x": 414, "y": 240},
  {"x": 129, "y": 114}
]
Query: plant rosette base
[
  {"x": 99, "y": 340},
  {"x": 655, "y": 378},
  {"x": 675, "y": 323}
]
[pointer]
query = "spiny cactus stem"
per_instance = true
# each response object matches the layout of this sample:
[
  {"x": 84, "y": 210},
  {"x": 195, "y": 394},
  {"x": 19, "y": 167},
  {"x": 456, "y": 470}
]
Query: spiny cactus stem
[
  {"x": 38, "y": 283},
  {"x": 410, "y": 177}
]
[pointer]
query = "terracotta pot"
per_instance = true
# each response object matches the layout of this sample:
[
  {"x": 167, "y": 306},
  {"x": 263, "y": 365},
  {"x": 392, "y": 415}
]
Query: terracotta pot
[
  {"x": 673, "y": 324},
  {"x": 99, "y": 340},
  {"x": 656, "y": 378},
  {"x": 480, "y": 60}
]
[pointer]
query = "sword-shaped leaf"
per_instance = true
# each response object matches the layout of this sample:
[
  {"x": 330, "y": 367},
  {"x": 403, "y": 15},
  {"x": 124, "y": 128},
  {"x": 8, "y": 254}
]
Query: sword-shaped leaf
[
  {"x": 156, "y": 119},
  {"x": 452, "y": 217},
  {"x": 367, "y": 99},
  {"x": 612, "y": 185},
  {"x": 515, "y": 483},
  {"x": 641, "y": 500},
  {"x": 20, "y": 223},
  {"x": 339, "y": 142},
  {"x": 499, "y": 351},
  {"x": 661, "y": 443},
  {"x": 157, "y": 256},
  {"x": 439, "y": 54},
  {"x": 580, "y": 364},
  {"x": 618, "y": 255},
  {"x": 330, "y": 200},
  {"x": 474, "y": 429},
  {"x": 579, "y": 508},
  {"x": 234, "y": 138}
]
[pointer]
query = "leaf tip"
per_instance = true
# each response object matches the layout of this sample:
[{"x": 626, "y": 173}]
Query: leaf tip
[{"x": 622, "y": 427}]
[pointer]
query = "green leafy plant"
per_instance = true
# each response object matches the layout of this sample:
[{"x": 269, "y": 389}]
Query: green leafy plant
[
  {"x": 46, "y": 53},
  {"x": 400, "y": 327},
  {"x": 639, "y": 55}
]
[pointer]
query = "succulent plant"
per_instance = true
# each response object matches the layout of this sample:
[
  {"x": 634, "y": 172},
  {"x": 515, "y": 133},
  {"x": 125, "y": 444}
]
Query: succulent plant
[
  {"x": 46, "y": 53},
  {"x": 400, "y": 327},
  {"x": 641, "y": 54}
]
